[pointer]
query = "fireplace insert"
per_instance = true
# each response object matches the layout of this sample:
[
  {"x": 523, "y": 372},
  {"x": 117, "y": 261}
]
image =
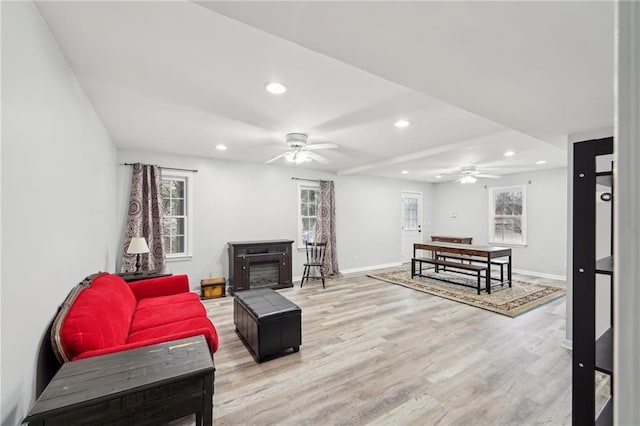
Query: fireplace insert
[{"x": 259, "y": 264}]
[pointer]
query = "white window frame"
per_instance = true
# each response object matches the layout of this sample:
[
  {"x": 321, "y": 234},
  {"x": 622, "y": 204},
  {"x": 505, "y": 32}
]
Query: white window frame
[
  {"x": 492, "y": 215},
  {"x": 187, "y": 178},
  {"x": 301, "y": 186}
]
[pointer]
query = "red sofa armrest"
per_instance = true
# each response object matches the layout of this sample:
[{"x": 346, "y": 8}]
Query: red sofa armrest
[{"x": 163, "y": 286}]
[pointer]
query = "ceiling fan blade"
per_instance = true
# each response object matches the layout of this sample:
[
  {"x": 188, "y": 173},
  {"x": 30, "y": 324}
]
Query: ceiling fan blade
[
  {"x": 482, "y": 175},
  {"x": 275, "y": 158},
  {"x": 322, "y": 146},
  {"x": 318, "y": 158}
]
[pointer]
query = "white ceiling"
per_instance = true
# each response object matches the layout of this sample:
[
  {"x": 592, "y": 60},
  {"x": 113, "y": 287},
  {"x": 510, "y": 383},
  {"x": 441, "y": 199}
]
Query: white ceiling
[{"x": 474, "y": 78}]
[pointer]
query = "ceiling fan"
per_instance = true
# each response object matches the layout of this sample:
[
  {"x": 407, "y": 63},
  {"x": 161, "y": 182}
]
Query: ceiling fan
[
  {"x": 299, "y": 151},
  {"x": 469, "y": 174}
]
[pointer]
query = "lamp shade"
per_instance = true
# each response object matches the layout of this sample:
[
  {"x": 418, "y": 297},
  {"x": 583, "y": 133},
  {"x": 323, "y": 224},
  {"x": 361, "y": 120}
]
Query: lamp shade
[{"x": 138, "y": 245}]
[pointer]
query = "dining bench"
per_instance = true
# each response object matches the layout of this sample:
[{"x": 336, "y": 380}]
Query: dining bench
[
  {"x": 498, "y": 262},
  {"x": 477, "y": 269}
]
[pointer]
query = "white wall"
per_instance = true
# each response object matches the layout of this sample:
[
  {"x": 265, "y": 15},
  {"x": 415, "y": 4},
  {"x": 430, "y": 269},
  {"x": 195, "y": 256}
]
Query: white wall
[
  {"x": 546, "y": 212},
  {"x": 58, "y": 197},
  {"x": 627, "y": 268},
  {"x": 369, "y": 219},
  {"x": 236, "y": 201}
]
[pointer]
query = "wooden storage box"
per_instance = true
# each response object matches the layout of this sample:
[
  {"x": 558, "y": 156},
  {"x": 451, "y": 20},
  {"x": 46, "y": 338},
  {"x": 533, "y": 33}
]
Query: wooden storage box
[{"x": 211, "y": 288}]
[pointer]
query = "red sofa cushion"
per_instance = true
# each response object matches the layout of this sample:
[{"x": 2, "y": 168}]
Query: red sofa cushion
[
  {"x": 163, "y": 286},
  {"x": 166, "y": 313},
  {"x": 178, "y": 330},
  {"x": 100, "y": 316},
  {"x": 154, "y": 302}
]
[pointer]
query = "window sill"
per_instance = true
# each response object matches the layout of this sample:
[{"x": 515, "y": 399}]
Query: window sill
[
  {"x": 178, "y": 258},
  {"x": 503, "y": 244}
]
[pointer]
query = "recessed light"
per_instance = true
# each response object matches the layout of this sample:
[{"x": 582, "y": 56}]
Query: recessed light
[
  {"x": 276, "y": 88},
  {"x": 438, "y": 176},
  {"x": 509, "y": 154},
  {"x": 405, "y": 172},
  {"x": 402, "y": 123},
  {"x": 221, "y": 147},
  {"x": 541, "y": 162}
]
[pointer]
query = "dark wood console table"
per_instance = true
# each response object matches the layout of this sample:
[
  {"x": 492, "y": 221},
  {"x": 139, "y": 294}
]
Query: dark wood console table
[
  {"x": 450, "y": 239},
  {"x": 260, "y": 264},
  {"x": 145, "y": 275},
  {"x": 151, "y": 385}
]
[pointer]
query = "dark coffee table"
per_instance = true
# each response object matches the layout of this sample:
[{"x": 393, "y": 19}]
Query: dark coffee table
[
  {"x": 268, "y": 322},
  {"x": 150, "y": 385}
]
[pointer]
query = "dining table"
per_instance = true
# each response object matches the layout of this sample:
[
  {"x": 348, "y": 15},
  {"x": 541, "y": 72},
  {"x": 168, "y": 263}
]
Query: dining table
[{"x": 476, "y": 253}]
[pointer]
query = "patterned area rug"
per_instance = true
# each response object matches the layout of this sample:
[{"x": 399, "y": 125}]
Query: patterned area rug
[{"x": 523, "y": 296}]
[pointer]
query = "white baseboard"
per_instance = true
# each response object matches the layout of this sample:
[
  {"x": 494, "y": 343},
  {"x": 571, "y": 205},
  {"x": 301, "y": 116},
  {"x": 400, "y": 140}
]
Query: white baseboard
[
  {"x": 371, "y": 268},
  {"x": 567, "y": 344},
  {"x": 541, "y": 274},
  {"x": 361, "y": 269}
]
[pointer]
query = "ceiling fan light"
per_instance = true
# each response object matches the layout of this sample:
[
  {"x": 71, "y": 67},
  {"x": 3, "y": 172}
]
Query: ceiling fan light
[
  {"x": 276, "y": 88},
  {"x": 301, "y": 157},
  {"x": 296, "y": 157},
  {"x": 468, "y": 179}
]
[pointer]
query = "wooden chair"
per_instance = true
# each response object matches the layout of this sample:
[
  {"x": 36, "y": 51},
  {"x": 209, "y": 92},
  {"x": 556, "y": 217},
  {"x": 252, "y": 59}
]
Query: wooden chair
[{"x": 315, "y": 258}]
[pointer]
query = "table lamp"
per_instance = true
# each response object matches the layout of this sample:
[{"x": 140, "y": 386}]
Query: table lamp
[{"x": 137, "y": 246}]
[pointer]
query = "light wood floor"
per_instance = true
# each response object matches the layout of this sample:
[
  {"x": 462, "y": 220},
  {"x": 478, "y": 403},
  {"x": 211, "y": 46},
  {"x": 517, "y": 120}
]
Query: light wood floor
[{"x": 377, "y": 353}]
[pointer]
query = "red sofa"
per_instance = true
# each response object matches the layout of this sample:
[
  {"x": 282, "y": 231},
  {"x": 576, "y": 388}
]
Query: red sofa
[{"x": 103, "y": 314}]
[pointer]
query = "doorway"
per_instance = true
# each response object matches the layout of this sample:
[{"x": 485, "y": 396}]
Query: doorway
[{"x": 411, "y": 222}]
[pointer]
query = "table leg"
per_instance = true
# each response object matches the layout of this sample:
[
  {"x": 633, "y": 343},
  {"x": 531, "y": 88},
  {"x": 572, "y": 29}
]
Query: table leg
[
  {"x": 207, "y": 401},
  {"x": 488, "y": 273},
  {"x": 509, "y": 271}
]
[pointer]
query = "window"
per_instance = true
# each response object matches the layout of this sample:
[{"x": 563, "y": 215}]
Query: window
[
  {"x": 507, "y": 215},
  {"x": 410, "y": 214},
  {"x": 308, "y": 200},
  {"x": 176, "y": 223}
]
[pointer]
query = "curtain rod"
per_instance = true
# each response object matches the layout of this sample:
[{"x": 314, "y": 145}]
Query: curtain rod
[
  {"x": 167, "y": 168},
  {"x": 309, "y": 180}
]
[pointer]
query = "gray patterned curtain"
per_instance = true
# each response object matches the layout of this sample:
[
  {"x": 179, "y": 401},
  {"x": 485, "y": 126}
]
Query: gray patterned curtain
[
  {"x": 144, "y": 218},
  {"x": 326, "y": 227}
]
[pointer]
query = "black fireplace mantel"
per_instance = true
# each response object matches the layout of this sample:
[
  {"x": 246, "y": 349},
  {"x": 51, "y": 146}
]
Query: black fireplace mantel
[{"x": 271, "y": 259}]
